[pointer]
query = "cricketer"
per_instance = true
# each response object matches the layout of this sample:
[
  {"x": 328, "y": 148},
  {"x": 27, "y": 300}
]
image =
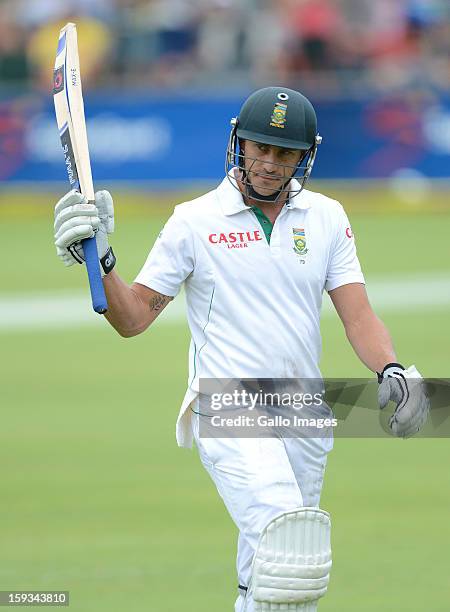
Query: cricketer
[{"x": 255, "y": 256}]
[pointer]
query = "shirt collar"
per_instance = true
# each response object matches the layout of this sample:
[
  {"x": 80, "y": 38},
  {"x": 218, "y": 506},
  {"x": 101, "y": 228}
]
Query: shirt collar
[
  {"x": 230, "y": 198},
  {"x": 232, "y": 202},
  {"x": 301, "y": 200}
]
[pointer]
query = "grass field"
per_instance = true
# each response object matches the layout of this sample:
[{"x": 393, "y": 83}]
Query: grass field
[{"x": 96, "y": 497}]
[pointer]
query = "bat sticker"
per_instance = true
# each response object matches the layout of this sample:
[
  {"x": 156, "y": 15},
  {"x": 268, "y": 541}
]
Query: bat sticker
[
  {"x": 69, "y": 158},
  {"x": 58, "y": 80}
]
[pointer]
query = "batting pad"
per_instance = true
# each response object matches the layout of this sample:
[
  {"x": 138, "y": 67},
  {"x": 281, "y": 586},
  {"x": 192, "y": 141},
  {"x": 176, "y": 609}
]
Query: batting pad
[{"x": 292, "y": 563}]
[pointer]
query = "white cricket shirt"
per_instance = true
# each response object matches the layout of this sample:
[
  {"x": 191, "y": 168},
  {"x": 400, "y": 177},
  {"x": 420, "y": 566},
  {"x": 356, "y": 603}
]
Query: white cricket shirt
[{"x": 253, "y": 307}]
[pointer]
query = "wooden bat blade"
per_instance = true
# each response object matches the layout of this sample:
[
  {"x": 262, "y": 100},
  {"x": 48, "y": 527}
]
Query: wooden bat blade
[{"x": 69, "y": 108}]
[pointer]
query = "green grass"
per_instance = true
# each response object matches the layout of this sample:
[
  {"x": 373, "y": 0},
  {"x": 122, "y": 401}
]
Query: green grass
[
  {"x": 97, "y": 499},
  {"x": 405, "y": 240}
]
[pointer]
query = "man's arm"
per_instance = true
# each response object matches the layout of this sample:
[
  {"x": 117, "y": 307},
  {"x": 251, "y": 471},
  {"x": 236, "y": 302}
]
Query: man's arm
[
  {"x": 366, "y": 333},
  {"x": 372, "y": 343},
  {"x": 131, "y": 309}
]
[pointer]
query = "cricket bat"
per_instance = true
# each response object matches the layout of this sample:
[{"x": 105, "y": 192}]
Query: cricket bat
[{"x": 68, "y": 98}]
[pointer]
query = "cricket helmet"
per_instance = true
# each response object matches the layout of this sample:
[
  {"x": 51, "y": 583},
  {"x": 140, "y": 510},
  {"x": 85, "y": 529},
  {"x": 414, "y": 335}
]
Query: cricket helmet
[{"x": 274, "y": 116}]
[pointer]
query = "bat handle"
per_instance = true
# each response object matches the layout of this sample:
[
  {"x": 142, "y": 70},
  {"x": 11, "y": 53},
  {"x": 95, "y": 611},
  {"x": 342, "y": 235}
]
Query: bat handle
[{"x": 98, "y": 296}]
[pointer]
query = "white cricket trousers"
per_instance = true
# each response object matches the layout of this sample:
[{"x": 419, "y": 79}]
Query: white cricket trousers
[{"x": 258, "y": 479}]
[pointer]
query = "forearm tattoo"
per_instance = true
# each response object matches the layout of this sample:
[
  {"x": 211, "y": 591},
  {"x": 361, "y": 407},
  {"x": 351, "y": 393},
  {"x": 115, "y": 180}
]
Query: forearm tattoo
[{"x": 158, "y": 302}]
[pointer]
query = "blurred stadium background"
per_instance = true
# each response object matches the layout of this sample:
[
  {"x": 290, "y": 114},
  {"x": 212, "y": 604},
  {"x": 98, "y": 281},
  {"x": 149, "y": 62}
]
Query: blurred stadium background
[{"x": 96, "y": 498}]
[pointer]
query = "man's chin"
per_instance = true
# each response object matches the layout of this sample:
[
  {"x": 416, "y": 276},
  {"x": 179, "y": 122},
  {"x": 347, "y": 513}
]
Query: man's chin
[{"x": 266, "y": 191}]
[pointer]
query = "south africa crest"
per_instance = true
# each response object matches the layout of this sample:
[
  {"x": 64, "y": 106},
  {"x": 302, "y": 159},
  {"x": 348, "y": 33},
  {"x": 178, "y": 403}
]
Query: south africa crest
[
  {"x": 298, "y": 234},
  {"x": 278, "y": 118}
]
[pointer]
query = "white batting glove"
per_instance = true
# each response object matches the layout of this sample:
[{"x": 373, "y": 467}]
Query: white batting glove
[
  {"x": 76, "y": 220},
  {"x": 405, "y": 388}
]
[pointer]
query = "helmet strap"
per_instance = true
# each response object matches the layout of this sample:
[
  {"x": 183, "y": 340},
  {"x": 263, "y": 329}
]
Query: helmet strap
[{"x": 254, "y": 195}]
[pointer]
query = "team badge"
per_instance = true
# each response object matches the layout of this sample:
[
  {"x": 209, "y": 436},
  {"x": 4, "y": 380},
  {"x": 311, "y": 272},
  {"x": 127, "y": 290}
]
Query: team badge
[
  {"x": 299, "y": 237},
  {"x": 278, "y": 118}
]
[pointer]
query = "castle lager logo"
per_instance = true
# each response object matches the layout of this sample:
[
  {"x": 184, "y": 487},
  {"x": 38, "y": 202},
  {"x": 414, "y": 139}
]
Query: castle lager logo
[{"x": 235, "y": 240}]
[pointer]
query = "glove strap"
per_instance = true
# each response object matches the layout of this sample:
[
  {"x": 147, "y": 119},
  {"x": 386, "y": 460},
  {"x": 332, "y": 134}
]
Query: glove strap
[
  {"x": 108, "y": 261},
  {"x": 388, "y": 367}
]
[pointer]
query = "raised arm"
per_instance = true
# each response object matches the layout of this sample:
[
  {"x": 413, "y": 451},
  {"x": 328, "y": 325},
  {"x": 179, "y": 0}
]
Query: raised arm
[{"x": 131, "y": 309}]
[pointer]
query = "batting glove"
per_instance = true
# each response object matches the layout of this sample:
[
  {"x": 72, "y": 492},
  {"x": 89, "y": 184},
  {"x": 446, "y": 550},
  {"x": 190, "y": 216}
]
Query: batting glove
[
  {"x": 405, "y": 388},
  {"x": 76, "y": 219}
]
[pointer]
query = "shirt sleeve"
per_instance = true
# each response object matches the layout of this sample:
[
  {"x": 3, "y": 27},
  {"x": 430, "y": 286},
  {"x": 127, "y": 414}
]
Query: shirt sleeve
[
  {"x": 171, "y": 259},
  {"x": 343, "y": 266}
]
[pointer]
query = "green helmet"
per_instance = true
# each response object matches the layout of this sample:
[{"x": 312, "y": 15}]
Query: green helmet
[
  {"x": 278, "y": 116},
  {"x": 275, "y": 116}
]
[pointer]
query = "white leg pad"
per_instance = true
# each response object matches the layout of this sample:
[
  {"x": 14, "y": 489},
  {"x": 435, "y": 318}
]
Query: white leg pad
[{"x": 291, "y": 567}]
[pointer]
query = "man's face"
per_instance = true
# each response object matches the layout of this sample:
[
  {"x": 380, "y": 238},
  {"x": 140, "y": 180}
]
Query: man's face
[{"x": 269, "y": 167}]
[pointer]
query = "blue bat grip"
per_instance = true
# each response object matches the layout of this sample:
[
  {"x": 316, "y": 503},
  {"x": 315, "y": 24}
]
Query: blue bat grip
[{"x": 98, "y": 296}]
